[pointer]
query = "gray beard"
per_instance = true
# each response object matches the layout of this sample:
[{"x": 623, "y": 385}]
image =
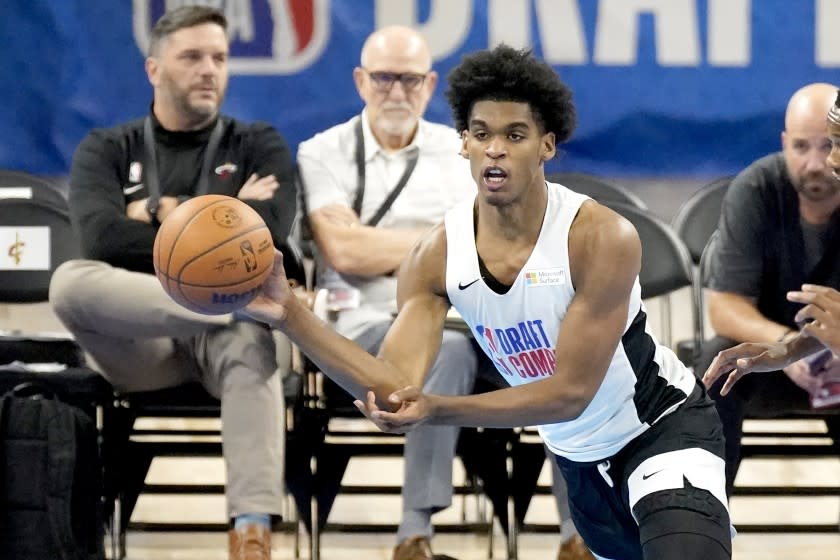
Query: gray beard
[{"x": 397, "y": 129}]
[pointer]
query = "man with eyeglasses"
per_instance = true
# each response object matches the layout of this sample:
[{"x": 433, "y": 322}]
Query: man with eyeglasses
[{"x": 372, "y": 187}]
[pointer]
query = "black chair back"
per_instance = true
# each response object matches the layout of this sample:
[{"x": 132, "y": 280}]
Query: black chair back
[
  {"x": 666, "y": 262},
  {"x": 37, "y": 237},
  {"x": 597, "y": 188},
  {"x": 698, "y": 216},
  {"x": 17, "y": 184}
]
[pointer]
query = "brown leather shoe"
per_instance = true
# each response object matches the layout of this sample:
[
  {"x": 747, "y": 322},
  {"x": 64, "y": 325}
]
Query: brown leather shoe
[
  {"x": 252, "y": 542},
  {"x": 414, "y": 548},
  {"x": 574, "y": 549}
]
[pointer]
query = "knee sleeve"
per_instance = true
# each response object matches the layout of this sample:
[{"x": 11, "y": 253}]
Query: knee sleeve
[{"x": 685, "y": 524}]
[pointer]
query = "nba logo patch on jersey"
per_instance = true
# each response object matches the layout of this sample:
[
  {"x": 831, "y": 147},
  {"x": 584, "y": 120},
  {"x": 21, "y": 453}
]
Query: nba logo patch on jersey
[
  {"x": 266, "y": 37},
  {"x": 545, "y": 277},
  {"x": 135, "y": 172}
]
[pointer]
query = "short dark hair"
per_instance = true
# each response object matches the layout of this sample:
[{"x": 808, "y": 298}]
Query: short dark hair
[
  {"x": 181, "y": 18},
  {"x": 507, "y": 74}
]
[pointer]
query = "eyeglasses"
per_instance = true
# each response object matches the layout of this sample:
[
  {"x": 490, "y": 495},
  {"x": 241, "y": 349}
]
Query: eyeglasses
[{"x": 384, "y": 81}]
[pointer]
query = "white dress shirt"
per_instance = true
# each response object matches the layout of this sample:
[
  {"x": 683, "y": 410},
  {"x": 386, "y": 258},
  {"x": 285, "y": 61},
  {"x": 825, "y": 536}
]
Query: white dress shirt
[{"x": 439, "y": 181}]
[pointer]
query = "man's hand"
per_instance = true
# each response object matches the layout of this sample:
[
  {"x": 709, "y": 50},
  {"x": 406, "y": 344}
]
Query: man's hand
[
  {"x": 800, "y": 373},
  {"x": 823, "y": 312},
  {"x": 271, "y": 304},
  {"x": 137, "y": 209},
  {"x": 340, "y": 215},
  {"x": 412, "y": 409},
  {"x": 743, "y": 359},
  {"x": 258, "y": 188}
]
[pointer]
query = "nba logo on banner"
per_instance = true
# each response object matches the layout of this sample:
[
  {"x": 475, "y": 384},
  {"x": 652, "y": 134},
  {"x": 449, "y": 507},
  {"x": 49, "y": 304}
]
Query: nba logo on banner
[{"x": 266, "y": 36}]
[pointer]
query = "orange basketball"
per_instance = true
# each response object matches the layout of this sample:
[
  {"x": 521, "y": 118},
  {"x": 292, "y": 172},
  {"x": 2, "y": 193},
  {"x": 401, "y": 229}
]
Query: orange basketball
[{"x": 212, "y": 253}]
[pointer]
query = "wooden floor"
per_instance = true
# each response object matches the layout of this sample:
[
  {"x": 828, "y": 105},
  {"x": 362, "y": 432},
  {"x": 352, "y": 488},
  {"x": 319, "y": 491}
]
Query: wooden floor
[
  {"x": 385, "y": 509},
  {"x": 201, "y": 546}
]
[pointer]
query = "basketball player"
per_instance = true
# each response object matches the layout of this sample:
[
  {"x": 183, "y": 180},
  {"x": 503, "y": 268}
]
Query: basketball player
[{"x": 547, "y": 281}]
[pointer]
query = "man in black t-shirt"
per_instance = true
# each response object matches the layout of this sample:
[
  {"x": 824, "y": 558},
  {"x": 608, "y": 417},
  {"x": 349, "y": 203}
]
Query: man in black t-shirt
[
  {"x": 779, "y": 229},
  {"x": 125, "y": 181}
]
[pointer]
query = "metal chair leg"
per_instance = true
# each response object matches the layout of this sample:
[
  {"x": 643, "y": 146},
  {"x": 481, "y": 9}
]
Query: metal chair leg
[
  {"x": 315, "y": 528},
  {"x": 513, "y": 531}
]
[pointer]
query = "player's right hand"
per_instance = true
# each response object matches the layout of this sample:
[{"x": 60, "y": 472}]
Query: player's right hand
[
  {"x": 412, "y": 410},
  {"x": 271, "y": 304}
]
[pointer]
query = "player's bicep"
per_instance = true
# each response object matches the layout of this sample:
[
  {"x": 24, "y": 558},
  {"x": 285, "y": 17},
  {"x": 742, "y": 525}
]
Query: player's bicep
[{"x": 608, "y": 264}]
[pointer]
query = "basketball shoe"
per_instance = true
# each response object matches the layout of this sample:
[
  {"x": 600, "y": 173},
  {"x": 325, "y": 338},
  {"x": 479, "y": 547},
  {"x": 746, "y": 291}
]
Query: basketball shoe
[
  {"x": 574, "y": 549},
  {"x": 252, "y": 542}
]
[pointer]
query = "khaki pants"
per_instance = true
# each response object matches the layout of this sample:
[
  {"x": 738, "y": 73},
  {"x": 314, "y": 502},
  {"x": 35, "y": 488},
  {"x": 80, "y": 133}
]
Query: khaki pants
[{"x": 141, "y": 340}]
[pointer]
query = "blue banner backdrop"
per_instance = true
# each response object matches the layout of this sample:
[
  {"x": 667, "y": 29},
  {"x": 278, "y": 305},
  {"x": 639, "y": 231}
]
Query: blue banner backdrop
[{"x": 692, "y": 88}]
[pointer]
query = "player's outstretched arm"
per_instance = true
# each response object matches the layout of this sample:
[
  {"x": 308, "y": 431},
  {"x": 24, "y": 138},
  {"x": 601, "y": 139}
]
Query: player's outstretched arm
[
  {"x": 750, "y": 357},
  {"x": 605, "y": 257},
  {"x": 409, "y": 348}
]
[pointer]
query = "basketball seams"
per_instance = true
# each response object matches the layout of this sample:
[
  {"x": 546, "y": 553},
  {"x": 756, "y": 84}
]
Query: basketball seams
[
  {"x": 191, "y": 285},
  {"x": 216, "y": 246},
  {"x": 186, "y": 224}
]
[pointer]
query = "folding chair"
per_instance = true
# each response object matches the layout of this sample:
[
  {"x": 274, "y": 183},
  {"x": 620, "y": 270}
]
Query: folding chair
[
  {"x": 666, "y": 262},
  {"x": 334, "y": 438},
  {"x": 36, "y": 238},
  {"x": 694, "y": 222},
  {"x": 597, "y": 188},
  {"x": 17, "y": 184}
]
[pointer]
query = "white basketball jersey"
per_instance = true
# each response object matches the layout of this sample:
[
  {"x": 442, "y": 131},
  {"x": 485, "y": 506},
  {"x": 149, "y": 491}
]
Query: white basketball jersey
[{"x": 518, "y": 331}]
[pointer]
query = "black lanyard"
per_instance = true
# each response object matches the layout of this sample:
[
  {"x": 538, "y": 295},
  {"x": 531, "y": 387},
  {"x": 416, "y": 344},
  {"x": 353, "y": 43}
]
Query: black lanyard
[
  {"x": 360, "y": 175},
  {"x": 152, "y": 177}
]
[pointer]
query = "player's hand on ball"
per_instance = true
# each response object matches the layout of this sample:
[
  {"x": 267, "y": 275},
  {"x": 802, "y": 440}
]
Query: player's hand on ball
[
  {"x": 411, "y": 409},
  {"x": 271, "y": 303}
]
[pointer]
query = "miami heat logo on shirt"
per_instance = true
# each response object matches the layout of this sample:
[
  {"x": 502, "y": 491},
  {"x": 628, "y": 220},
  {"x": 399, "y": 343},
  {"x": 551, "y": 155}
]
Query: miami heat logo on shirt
[{"x": 521, "y": 350}]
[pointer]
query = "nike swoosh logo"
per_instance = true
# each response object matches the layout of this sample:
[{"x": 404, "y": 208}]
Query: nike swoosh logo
[
  {"x": 647, "y": 476},
  {"x": 134, "y": 189},
  {"x": 462, "y": 286}
]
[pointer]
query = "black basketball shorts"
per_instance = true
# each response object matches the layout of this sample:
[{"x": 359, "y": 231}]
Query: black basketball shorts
[{"x": 667, "y": 483}]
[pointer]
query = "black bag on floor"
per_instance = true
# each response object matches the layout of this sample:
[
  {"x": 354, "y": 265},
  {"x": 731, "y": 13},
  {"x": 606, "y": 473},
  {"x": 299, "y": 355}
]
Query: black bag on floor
[{"x": 50, "y": 498}]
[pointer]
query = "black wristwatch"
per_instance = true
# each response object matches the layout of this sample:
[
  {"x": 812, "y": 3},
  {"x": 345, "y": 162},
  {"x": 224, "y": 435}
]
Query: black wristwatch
[{"x": 152, "y": 207}]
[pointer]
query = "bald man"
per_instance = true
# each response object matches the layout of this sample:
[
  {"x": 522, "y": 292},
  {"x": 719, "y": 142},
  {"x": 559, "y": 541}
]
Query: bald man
[
  {"x": 779, "y": 229},
  {"x": 362, "y": 234}
]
